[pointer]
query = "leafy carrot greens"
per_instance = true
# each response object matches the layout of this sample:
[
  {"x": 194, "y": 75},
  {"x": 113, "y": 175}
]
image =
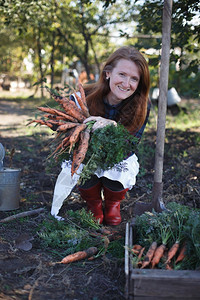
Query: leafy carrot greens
[
  {"x": 108, "y": 147},
  {"x": 178, "y": 223}
]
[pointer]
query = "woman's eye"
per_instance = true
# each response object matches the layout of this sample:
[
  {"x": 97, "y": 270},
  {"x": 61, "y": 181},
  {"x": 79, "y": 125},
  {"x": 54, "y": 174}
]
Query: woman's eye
[{"x": 134, "y": 79}]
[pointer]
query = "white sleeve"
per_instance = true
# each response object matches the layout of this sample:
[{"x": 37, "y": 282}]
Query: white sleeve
[{"x": 73, "y": 97}]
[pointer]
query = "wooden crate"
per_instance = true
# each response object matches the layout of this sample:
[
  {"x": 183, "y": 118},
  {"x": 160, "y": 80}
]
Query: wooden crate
[{"x": 147, "y": 284}]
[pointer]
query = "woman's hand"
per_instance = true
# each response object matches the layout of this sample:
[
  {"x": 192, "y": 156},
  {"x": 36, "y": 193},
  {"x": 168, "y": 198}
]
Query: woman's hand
[{"x": 99, "y": 122}]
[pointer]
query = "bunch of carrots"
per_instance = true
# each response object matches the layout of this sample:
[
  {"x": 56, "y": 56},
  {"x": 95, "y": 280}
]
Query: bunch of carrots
[
  {"x": 68, "y": 123},
  {"x": 155, "y": 254},
  {"x": 166, "y": 237}
]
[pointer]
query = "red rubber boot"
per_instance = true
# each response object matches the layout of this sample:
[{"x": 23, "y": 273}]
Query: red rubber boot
[
  {"x": 92, "y": 196},
  {"x": 112, "y": 214}
]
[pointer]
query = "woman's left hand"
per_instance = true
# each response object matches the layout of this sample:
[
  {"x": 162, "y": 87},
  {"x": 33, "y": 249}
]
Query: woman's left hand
[{"x": 99, "y": 122}]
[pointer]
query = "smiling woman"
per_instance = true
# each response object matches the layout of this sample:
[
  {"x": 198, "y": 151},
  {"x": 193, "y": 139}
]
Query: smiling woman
[
  {"x": 119, "y": 96},
  {"x": 124, "y": 80}
]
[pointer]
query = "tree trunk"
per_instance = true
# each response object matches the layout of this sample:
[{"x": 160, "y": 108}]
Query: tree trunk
[
  {"x": 39, "y": 48},
  {"x": 162, "y": 106},
  {"x": 52, "y": 58},
  {"x": 95, "y": 57}
]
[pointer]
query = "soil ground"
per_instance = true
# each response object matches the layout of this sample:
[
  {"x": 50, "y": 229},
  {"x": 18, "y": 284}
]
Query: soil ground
[{"x": 27, "y": 274}]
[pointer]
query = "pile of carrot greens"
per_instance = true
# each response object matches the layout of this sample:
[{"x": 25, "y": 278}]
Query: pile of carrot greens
[{"x": 177, "y": 230}]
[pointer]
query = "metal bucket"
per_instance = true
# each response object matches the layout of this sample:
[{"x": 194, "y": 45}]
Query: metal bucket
[{"x": 9, "y": 189}]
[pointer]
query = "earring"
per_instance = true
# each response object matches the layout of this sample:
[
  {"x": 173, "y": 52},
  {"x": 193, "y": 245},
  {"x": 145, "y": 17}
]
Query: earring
[{"x": 107, "y": 78}]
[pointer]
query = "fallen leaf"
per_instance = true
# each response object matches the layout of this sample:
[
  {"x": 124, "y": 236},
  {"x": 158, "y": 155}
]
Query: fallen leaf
[{"x": 22, "y": 242}]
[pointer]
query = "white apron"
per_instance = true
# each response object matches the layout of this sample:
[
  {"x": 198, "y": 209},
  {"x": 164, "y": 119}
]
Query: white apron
[{"x": 65, "y": 183}]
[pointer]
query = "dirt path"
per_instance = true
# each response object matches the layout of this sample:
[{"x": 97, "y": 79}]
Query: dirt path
[{"x": 13, "y": 118}]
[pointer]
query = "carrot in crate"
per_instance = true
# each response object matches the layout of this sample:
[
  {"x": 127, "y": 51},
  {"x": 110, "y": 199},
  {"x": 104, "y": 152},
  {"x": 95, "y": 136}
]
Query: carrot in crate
[
  {"x": 136, "y": 249},
  {"x": 139, "y": 262},
  {"x": 182, "y": 254},
  {"x": 149, "y": 255},
  {"x": 159, "y": 252},
  {"x": 172, "y": 251},
  {"x": 157, "y": 255}
]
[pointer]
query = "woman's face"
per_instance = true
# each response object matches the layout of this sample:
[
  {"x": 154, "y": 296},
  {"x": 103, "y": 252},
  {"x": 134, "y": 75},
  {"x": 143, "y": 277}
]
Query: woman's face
[{"x": 123, "y": 80}]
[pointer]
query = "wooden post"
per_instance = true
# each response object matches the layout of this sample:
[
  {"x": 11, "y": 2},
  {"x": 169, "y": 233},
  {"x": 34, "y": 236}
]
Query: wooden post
[{"x": 157, "y": 201}]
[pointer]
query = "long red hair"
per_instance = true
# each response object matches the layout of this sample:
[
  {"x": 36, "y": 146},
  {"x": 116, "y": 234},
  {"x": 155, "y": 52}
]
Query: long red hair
[{"x": 134, "y": 109}]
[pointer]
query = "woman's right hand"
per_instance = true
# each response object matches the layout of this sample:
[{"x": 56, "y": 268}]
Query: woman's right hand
[{"x": 100, "y": 122}]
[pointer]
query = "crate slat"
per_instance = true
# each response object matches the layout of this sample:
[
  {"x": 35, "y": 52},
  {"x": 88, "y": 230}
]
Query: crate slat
[{"x": 164, "y": 283}]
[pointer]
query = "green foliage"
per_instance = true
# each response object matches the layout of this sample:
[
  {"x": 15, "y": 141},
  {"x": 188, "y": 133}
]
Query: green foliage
[
  {"x": 67, "y": 238},
  {"x": 83, "y": 218},
  {"x": 182, "y": 224},
  {"x": 51, "y": 31},
  {"x": 78, "y": 232},
  {"x": 108, "y": 147},
  {"x": 185, "y": 40},
  {"x": 45, "y": 32},
  {"x": 116, "y": 248}
]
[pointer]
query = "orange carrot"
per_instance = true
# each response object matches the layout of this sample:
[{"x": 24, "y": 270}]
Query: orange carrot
[
  {"x": 141, "y": 253},
  {"x": 56, "y": 150},
  {"x": 57, "y": 98},
  {"x": 54, "y": 117},
  {"x": 91, "y": 258},
  {"x": 182, "y": 254},
  {"x": 168, "y": 266},
  {"x": 79, "y": 255},
  {"x": 57, "y": 112},
  {"x": 56, "y": 122},
  {"x": 41, "y": 122},
  {"x": 136, "y": 249},
  {"x": 71, "y": 108},
  {"x": 80, "y": 153},
  {"x": 65, "y": 115},
  {"x": 65, "y": 142},
  {"x": 82, "y": 105},
  {"x": 172, "y": 251},
  {"x": 70, "y": 118},
  {"x": 149, "y": 255},
  {"x": 139, "y": 262},
  {"x": 48, "y": 110},
  {"x": 73, "y": 167},
  {"x": 75, "y": 135},
  {"x": 62, "y": 145},
  {"x": 82, "y": 94},
  {"x": 157, "y": 255},
  {"x": 66, "y": 126},
  {"x": 63, "y": 149}
]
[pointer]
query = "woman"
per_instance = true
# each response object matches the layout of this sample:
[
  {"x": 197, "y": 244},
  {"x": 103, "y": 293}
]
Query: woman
[{"x": 120, "y": 95}]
